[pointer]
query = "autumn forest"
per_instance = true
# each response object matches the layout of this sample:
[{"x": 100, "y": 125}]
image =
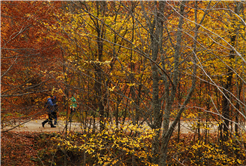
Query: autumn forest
[{"x": 156, "y": 82}]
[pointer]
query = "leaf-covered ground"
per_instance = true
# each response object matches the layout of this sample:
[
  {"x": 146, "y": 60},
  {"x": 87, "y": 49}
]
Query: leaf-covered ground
[
  {"x": 19, "y": 148},
  {"x": 40, "y": 148}
]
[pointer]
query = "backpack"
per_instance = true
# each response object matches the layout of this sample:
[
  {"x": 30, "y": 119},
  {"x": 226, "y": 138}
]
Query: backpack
[{"x": 49, "y": 107}]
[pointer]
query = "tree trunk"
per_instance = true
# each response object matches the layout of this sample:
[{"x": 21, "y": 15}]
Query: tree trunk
[
  {"x": 166, "y": 130},
  {"x": 228, "y": 87},
  {"x": 98, "y": 69},
  {"x": 156, "y": 38}
]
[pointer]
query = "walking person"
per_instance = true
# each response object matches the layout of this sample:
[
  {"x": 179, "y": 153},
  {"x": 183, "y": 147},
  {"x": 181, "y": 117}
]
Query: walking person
[
  {"x": 73, "y": 106},
  {"x": 50, "y": 107}
]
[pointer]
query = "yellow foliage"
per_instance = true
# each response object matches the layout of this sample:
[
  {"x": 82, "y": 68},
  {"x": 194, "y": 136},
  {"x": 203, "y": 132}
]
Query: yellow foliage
[{"x": 105, "y": 145}]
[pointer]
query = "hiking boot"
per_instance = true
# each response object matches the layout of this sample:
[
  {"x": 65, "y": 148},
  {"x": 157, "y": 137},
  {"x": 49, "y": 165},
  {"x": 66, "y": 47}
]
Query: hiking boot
[
  {"x": 51, "y": 125},
  {"x": 43, "y": 124}
]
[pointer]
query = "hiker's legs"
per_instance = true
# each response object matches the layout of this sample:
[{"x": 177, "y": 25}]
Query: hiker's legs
[
  {"x": 71, "y": 114},
  {"x": 47, "y": 120},
  {"x": 54, "y": 114},
  {"x": 55, "y": 120},
  {"x": 44, "y": 122},
  {"x": 50, "y": 120}
]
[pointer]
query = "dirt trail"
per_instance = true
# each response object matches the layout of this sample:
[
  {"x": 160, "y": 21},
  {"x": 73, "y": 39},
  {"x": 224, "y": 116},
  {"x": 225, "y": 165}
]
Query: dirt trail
[{"x": 36, "y": 126}]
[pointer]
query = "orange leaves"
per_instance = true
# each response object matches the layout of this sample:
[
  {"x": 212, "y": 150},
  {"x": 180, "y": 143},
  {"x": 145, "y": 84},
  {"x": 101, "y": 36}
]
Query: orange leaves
[
  {"x": 17, "y": 148},
  {"x": 26, "y": 53}
]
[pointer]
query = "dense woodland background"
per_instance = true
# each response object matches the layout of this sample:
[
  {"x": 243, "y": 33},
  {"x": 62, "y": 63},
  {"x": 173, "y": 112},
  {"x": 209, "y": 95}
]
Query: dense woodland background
[{"x": 144, "y": 62}]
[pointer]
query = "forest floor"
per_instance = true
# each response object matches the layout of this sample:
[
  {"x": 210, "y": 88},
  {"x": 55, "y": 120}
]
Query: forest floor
[
  {"x": 32, "y": 144},
  {"x": 36, "y": 126}
]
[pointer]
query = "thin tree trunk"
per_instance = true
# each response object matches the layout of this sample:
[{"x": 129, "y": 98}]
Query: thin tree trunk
[
  {"x": 156, "y": 38},
  {"x": 98, "y": 69},
  {"x": 228, "y": 87},
  {"x": 166, "y": 136}
]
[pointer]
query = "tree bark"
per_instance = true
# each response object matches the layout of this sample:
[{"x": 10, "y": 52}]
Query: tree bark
[{"x": 156, "y": 38}]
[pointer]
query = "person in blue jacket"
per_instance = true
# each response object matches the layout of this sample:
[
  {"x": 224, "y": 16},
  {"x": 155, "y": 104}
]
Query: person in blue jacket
[{"x": 51, "y": 108}]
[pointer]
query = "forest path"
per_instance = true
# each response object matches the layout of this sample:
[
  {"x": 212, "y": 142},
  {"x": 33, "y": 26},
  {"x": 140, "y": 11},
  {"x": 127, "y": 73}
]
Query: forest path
[{"x": 36, "y": 126}]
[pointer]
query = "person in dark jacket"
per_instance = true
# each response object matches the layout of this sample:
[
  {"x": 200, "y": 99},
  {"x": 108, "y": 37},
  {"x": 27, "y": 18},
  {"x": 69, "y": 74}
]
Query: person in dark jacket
[{"x": 50, "y": 106}]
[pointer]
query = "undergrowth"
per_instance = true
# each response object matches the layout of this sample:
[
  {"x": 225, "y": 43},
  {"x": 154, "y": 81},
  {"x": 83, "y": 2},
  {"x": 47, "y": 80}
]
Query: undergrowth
[{"x": 113, "y": 148}]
